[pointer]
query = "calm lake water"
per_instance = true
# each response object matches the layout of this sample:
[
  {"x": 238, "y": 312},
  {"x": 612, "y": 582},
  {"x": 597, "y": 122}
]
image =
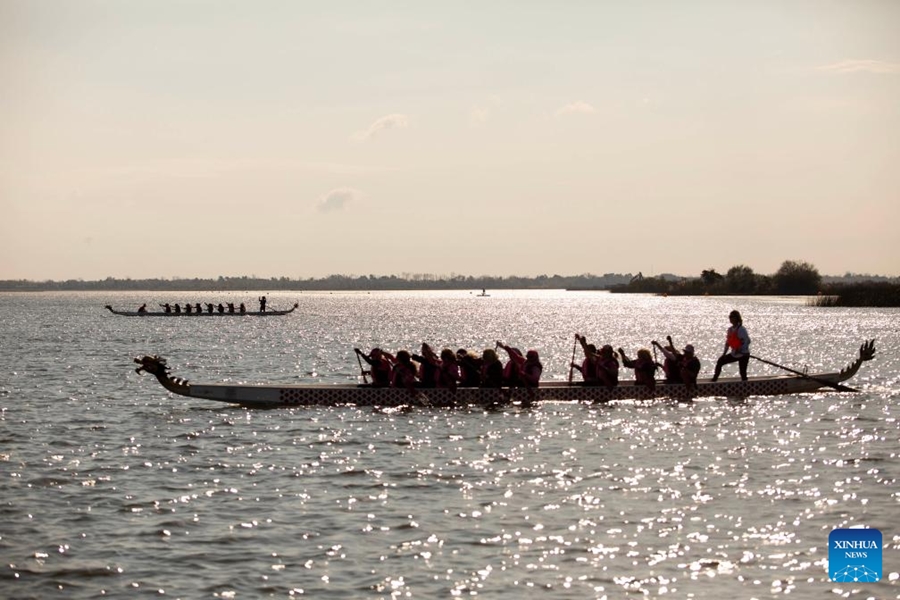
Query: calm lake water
[{"x": 113, "y": 487}]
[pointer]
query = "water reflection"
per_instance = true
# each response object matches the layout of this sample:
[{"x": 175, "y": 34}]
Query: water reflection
[{"x": 114, "y": 487}]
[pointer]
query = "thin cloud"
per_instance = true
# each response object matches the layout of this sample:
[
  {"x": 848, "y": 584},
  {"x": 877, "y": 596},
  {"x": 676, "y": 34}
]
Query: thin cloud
[
  {"x": 206, "y": 169},
  {"x": 574, "y": 108},
  {"x": 395, "y": 121},
  {"x": 483, "y": 112},
  {"x": 337, "y": 199},
  {"x": 862, "y": 66},
  {"x": 479, "y": 115}
]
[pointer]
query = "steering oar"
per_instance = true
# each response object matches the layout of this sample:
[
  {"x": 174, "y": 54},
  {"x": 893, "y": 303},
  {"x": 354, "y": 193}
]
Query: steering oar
[{"x": 837, "y": 386}]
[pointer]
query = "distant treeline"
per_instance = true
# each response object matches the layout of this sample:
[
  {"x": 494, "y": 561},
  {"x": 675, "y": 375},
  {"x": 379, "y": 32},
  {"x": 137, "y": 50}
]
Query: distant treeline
[
  {"x": 406, "y": 281},
  {"x": 792, "y": 278}
]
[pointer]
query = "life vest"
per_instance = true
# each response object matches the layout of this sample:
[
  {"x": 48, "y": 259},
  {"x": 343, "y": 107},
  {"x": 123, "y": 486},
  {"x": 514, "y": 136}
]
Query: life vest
[
  {"x": 428, "y": 371},
  {"x": 381, "y": 372},
  {"x": 608, "y": 371},
  {"x": 531, "y": 372},
  {"x": 589, "y": 369},
  {"x": 672, "y": 369},
  {"x": 492, "y": 374},
  {"x": 690, "y": 368},
  {"x": 734, "y": 342},
  {"x": 510, "y": 372},
  {"x": 448, "y": 375},
  {"x": 644, "y": 372},
  {"x": 403, "y": 375}
]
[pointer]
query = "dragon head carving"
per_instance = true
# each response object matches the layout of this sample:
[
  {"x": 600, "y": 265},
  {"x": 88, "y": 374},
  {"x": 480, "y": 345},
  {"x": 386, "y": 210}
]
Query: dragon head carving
[{"x": 155, "y": 365}]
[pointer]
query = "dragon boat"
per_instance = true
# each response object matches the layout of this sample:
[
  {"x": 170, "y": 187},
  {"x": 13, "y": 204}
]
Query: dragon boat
[
  {"x": 194, "y": 313},
  {"x": 265, "y": 396}
]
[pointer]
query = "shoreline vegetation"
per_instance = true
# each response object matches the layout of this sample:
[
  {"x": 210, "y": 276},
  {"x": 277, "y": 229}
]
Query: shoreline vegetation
[{"x": 792, "y": 279}]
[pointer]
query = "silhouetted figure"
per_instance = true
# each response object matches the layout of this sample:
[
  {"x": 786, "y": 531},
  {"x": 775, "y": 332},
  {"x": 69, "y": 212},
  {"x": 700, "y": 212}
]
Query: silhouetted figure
[
  {"x": 448, "y": 375},
  {"x": 644, "y": 367},
  {"x": 522, "y": 371},
  {"x": 491, "y": 369},
  {"x": 469, "y": 368},
  {"x": 737, "y": 347},
  {"x": 672, "y": 362},
  {"x": 607, "y": 367},
  {"x": 403, "y": 375},
  {"x": 680, "y": 367},
  {"x": 381, "y": 365},
  {"x": 588, "y": 366},
  {"x": 429, "y": 364}
]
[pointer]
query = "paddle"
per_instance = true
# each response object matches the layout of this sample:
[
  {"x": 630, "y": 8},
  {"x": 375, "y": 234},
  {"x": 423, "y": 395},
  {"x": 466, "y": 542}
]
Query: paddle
[
  {"x": 423, "y": 399},
  {"x": 572, "y": 363},
  {"x": 837, "y": 386},
  {"x": 361, "y": 370}
]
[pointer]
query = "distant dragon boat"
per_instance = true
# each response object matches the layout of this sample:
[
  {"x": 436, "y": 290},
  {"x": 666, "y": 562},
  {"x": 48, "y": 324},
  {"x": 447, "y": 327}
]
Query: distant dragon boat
[
  {"x": 264, "y": 396},
  {"x": 206, "y": 313}
]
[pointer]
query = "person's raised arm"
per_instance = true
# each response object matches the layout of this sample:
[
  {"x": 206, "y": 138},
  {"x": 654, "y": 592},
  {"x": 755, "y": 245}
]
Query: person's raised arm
[
  {"x": 665, "y": 351},
  {"x": 363, "y": 355},
  {"x": 583, "y": 341},
  {"x": 514, "y": 354}
]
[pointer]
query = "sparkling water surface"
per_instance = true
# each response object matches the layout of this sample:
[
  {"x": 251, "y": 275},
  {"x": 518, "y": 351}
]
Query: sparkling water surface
[{"x": 113, "y": 487}]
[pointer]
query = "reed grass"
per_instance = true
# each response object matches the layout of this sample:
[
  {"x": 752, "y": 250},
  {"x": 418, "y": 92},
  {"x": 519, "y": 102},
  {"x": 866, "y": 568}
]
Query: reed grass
[{"x": 869, "y": 293}]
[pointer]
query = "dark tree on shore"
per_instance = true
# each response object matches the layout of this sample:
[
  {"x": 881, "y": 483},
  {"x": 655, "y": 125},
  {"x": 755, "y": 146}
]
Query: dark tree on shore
[
  {"x": 710, "y": 277},
  {"x": 797, "y": 278},
  {"x": 740, "y": 279}
]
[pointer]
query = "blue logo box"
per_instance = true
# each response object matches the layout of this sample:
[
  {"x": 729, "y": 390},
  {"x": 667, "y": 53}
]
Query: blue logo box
[{"x": 854, "y": 555}]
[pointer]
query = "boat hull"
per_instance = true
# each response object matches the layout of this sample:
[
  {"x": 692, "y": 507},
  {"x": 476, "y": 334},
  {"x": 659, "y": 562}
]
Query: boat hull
[
  {"x": 255, "y": 313},
  {"x": 363, "y": 395},
  {"x": 366, "y": 395}
]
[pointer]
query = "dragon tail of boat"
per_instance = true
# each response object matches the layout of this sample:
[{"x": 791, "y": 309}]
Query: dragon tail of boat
[{"x": 866, "y": 353}]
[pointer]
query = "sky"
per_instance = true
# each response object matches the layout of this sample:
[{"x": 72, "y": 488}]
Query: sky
[{"x": 181, "y": 139}]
